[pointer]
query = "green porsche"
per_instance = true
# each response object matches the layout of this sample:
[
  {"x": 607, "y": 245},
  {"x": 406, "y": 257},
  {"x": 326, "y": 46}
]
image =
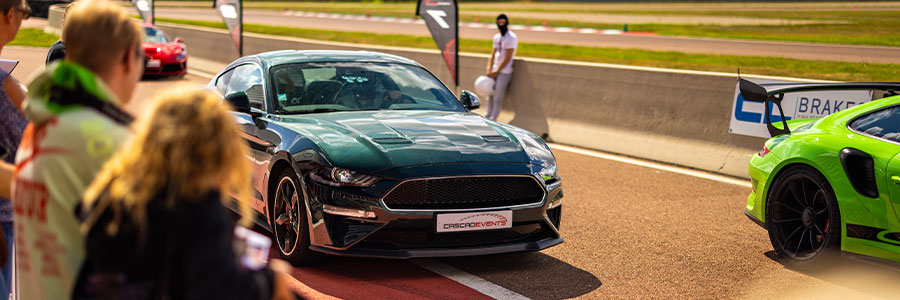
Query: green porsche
[{"x": 827, "y": 186}]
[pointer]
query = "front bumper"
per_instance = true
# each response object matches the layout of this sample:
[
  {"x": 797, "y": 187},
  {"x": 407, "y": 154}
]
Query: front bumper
[
  {"x": 167, "y": 66},
  {"x": 412, "y": 233}
]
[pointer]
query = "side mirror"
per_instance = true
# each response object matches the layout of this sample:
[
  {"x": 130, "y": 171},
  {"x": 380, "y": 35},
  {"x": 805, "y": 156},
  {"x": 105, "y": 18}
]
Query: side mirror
[
  {"x": 239, "y": 102},
  {"x": 469, "y": 100},
  {"x": 179, "y": 40}
]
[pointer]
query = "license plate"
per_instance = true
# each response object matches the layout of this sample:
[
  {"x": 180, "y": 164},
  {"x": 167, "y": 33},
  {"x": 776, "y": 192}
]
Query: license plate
[
  {"x": 474, "y": 221},
  {"x": 153, "y": 63}
]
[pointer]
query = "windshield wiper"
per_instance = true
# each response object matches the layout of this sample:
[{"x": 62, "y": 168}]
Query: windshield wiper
[{"x": 313, "y": 111}]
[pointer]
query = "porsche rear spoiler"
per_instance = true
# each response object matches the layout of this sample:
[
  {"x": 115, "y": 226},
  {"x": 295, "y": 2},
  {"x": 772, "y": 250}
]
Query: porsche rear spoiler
[{"x": 774, "y": 92}]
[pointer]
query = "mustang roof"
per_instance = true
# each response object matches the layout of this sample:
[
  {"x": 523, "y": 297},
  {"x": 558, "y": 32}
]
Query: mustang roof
[{"x": 298, "y": 56}]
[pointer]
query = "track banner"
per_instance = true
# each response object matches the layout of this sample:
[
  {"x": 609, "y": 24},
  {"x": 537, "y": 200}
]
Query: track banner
[
  {"x": 145, "y": 9},
  {"x": 748, "y": 117},
  {"x": 441, "y": 18},
  {"x": 230, "y": 11}
]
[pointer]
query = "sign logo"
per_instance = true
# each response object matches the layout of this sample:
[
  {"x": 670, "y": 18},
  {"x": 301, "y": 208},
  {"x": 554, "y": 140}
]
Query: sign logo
[
  {"x": 142, "y": 5},
  {"x": 474, "y": 221},
  {"x": 228, "y": 11},
  {"x": 438, "y": 16}
]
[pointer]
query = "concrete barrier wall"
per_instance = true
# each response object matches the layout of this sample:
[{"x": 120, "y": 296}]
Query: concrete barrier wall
[{"x": 665, "y": 115}]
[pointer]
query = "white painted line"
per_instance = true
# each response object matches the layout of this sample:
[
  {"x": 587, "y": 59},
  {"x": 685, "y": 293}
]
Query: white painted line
[
  {"x": 563, "y": 29},
  {"x": 200, "y": 73},
  {"x": 473, "y": 282},
  {"x": 653, "y": 165},
  {"x": 517, "y": 27},
  {"x": 588, "y": 30}
]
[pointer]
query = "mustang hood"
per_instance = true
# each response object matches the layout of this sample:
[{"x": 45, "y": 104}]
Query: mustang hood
[{"x": 373, "y": 141}]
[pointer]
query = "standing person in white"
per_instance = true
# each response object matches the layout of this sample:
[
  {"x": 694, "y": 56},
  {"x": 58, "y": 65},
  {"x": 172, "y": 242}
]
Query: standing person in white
[{"x": 500, "y": 65}]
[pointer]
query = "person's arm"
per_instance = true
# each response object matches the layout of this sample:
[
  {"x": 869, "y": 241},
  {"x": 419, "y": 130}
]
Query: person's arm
[
  {"x": 15, "y": 90},
  {"x": 490, "y": 64},
  {"x": 6, "y": 173}
]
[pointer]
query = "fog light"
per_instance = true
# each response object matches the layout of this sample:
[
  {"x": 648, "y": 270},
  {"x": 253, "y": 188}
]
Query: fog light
[
  {"x": 348, "y": 212},
  {"x": 555, "y": 203}
]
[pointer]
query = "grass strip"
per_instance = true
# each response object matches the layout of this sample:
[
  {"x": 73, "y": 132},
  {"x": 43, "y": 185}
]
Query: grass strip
[
  {"x": 34, "y": 37},
  {"x": 772, "y": 66}
]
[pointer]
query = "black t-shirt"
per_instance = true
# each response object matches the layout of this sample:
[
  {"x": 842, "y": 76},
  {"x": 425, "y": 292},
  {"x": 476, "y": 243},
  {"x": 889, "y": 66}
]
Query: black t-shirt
[{"x": 57, "y": 51}]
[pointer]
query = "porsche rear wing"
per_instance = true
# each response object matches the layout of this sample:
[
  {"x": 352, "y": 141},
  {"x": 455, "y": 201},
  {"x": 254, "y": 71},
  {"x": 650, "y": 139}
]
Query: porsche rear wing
[{"x": 774, "y": 92}]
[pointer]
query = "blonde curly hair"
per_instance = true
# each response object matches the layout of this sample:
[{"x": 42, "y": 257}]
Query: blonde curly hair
[{"x": 186, "y": 145}]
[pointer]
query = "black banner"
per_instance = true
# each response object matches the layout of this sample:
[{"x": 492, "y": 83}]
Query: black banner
[
  {"x": 230, "y": 11},
  {"x": 441, "y": 18},
  {"x": 145, "y": 9}
]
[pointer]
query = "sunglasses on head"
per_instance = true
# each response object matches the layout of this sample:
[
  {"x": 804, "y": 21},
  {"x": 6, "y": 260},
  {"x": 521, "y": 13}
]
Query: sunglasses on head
[{"x": 25, "y": 10}]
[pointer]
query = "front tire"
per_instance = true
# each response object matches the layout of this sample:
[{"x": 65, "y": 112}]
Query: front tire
[
  {"x": 289, "y": 219},
  {"x": 803, "y": 218}
]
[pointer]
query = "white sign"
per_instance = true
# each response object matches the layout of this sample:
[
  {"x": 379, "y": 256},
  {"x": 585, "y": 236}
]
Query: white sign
[
  {"x": 748, "y": 117},
  {"x": 474, "y": 221}
]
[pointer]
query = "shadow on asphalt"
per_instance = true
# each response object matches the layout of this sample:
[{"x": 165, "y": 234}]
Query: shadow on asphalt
[
  {"x": 533, "y": 274},
  {"x": 873, "y": 278}
]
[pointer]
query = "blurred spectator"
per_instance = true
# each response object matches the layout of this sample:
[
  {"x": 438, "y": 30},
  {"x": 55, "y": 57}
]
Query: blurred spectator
[
  {"x": 155, "y": 217},
  {"x": 12, "y": 124},
  {"x": 500, "y": 65},
  {"x": 58, "y": 49},
  {"x": 75, "y": 126}
]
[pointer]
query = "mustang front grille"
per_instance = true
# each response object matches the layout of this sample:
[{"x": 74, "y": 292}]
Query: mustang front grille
[{"x": 465, "y": 193}]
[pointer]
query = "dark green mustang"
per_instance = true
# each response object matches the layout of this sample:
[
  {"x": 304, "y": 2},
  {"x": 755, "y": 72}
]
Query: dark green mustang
[{"x": 368, "y": 154}]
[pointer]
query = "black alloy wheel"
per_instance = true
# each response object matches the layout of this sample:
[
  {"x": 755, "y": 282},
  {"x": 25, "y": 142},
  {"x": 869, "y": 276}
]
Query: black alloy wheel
[
  {"x": 289, "y": 219},
  {"x": 803, "y": 218}
]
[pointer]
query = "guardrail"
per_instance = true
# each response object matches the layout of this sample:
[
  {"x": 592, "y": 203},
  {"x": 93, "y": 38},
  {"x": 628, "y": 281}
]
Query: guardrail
[{"x": 672, "y": 116}]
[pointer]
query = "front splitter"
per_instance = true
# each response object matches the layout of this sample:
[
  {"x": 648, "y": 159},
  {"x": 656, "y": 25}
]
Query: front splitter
[{"x": 443, "y": 252}]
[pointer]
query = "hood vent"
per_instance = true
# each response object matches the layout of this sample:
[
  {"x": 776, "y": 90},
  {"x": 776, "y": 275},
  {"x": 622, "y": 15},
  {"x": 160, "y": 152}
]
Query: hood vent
[
  {"x": 495, "y": 138},
  {"x": 392, "y": 140}
]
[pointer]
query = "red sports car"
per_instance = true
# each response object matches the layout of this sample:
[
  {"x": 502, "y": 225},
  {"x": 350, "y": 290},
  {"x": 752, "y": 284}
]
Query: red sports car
[{"x": 162, "y": 56}]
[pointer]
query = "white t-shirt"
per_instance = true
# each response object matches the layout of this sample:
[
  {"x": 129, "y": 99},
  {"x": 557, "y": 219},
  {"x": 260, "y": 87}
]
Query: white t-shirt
[{"x": 502, "y": 43}]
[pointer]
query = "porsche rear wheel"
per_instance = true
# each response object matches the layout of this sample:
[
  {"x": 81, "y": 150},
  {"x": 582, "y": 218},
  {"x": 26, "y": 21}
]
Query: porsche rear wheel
[
  {"x": 289, "y": 225},
  {"x": 803, "y": 218}
]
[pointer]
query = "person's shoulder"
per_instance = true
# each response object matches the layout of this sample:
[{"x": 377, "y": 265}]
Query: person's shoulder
[
  {"x": 101, "y": 135},
  {"x": 497, "y": 36},
  {"x": 512, "y": 35}
]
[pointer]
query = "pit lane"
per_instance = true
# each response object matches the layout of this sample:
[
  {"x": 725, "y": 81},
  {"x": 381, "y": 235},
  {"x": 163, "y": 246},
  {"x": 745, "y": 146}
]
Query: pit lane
[{"x": 631, "y": 231}]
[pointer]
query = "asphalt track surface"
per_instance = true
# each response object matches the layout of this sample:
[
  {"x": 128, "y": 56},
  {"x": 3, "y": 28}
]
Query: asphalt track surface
[
  {"x": 631, "y": 232},
  {"x": 808, "y": 51}
]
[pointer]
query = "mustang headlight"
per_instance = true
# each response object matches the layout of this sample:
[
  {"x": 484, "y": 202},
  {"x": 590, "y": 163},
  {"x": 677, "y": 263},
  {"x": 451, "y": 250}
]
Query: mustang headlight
[
  {"x": 343, "y": 177},
  {"x": 549, "y": 174}
]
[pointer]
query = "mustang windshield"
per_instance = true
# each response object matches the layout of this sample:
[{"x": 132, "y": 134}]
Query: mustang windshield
[
  {"x": 155, "y": 36},
  {"x": 353, "y": 86}
]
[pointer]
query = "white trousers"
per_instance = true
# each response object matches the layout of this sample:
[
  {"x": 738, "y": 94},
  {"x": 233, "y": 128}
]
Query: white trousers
[{"x": 496, "y": 100}]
